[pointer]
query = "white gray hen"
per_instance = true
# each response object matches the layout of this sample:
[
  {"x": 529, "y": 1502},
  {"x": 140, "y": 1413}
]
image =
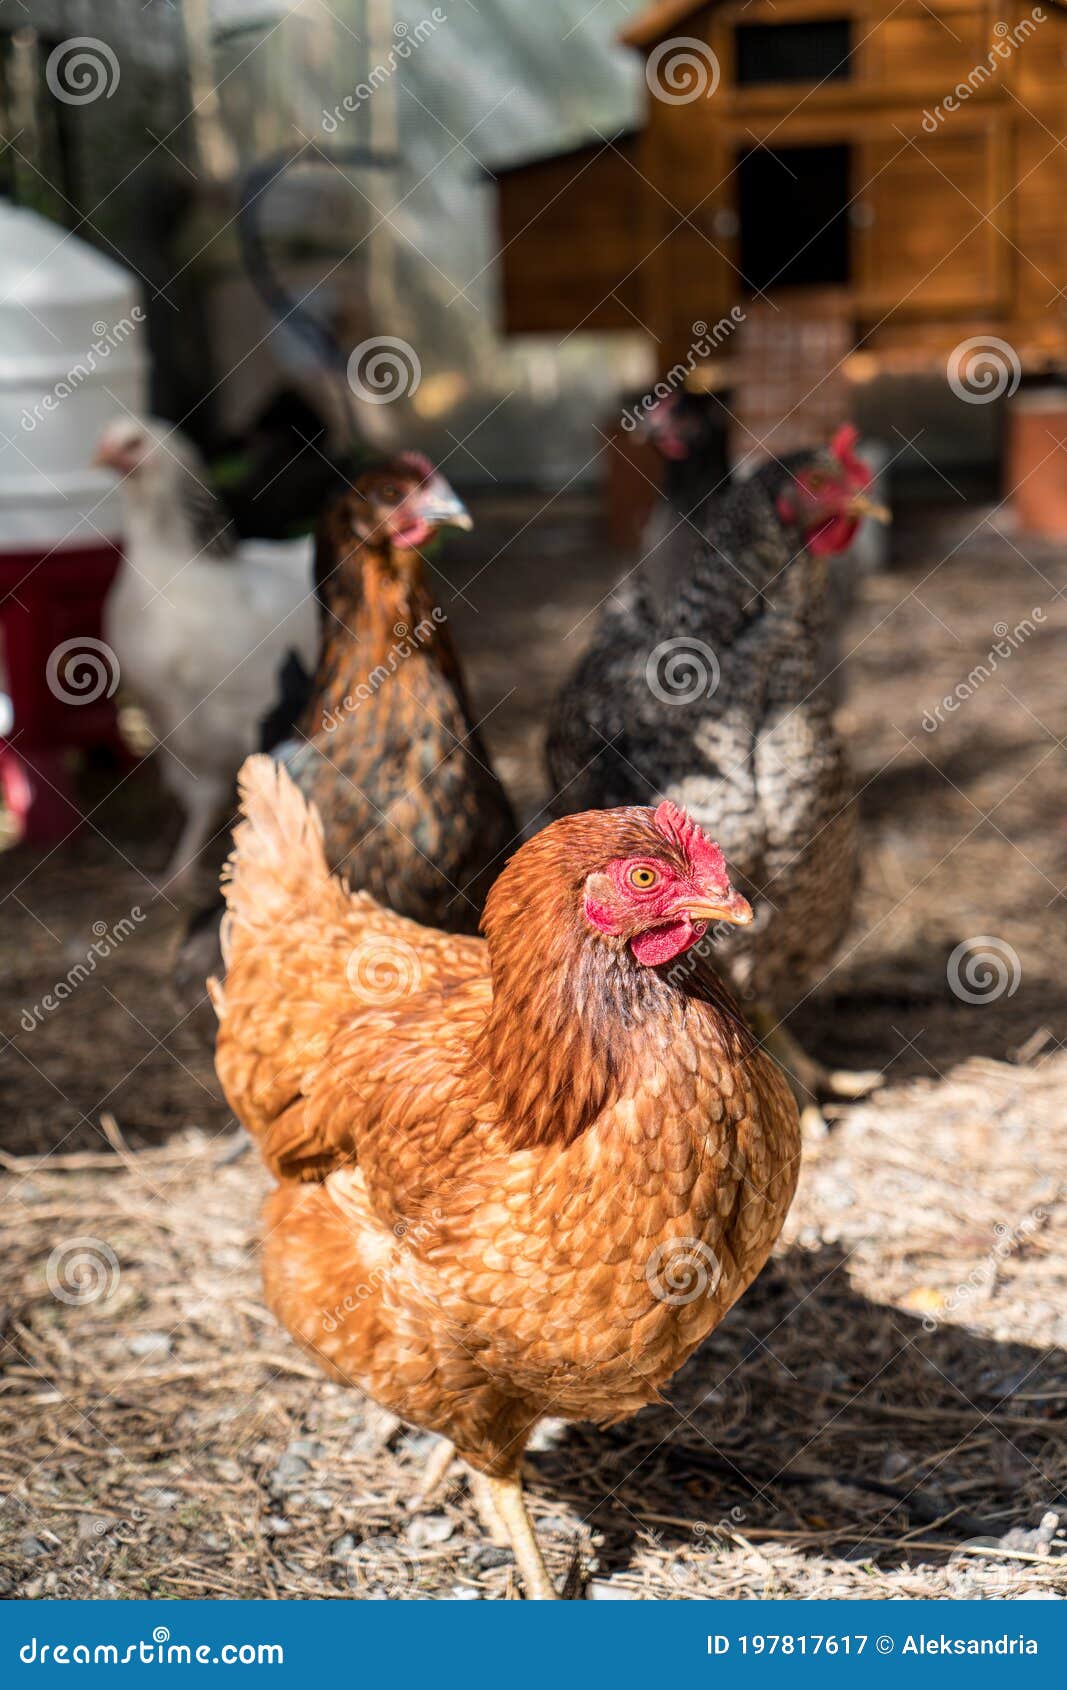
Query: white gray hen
[{"x": 201, "y": 622}]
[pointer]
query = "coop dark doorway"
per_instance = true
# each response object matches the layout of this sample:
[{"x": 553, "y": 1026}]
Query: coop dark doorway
[{"x": 794, "y": 216}]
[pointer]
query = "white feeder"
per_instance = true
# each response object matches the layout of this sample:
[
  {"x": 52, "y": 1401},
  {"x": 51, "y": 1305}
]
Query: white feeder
[{"x": 71, "y": 329}]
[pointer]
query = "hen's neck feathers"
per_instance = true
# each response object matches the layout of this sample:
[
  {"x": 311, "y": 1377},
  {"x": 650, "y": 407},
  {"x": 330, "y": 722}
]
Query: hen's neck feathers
[
  {"x": 575, "y": 1020},
  {"x": 377, "y": 610},
  {"x": 725, "y": 565},
  {"x": 689, "y": 483},
  {"x": 170, "y": 509}
]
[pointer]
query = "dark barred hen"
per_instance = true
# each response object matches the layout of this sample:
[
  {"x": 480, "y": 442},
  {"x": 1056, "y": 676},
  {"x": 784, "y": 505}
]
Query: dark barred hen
[
  {"x": 702, "y": 685},
  {"x": 690, "y": 431},
  {"x": 386, "y": 748}
]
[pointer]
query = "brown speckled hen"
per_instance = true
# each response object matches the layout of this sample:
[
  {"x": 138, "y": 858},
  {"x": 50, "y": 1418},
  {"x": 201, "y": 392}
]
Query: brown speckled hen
[
  {"x": 387, "y": 748},
  {"x": 519, "y": 1176}
]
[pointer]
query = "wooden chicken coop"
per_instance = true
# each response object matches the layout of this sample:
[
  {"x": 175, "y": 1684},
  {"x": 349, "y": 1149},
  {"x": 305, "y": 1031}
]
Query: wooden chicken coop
[{"x": 893, "y": 168}]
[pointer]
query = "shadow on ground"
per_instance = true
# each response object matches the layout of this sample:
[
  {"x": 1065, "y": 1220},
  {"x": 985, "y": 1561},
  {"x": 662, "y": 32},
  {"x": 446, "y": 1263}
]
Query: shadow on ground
[{"x": 839, "y": 1424}]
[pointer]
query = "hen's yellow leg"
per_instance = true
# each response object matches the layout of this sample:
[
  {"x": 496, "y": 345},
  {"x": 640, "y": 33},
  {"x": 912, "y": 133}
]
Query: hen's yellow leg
[
  {"x": 488, "y": 1512},
  {"x": 503, "y": 1514},
  {"x": 441, "y": 1458},
  {"x": 508, "y": 1503}
]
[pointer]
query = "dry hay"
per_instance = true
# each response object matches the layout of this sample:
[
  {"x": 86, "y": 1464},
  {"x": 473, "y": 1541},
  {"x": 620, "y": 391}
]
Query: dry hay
[{"x": 866, "y": 1410}]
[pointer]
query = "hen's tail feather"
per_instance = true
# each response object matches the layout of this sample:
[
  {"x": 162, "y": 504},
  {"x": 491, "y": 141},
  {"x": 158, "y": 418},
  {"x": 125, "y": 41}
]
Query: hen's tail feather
[{"x": 277, "y": 869}]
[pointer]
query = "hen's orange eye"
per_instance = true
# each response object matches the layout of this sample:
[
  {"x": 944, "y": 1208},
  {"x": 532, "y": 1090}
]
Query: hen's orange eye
[{"x": 643, "y": 878}]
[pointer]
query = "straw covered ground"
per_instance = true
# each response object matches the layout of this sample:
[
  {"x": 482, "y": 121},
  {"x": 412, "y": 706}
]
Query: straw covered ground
[{"x": 882, "y": 1415}]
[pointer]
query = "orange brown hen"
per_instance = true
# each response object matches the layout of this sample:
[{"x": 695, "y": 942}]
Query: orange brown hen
[{"x": 518, "y": 1176}]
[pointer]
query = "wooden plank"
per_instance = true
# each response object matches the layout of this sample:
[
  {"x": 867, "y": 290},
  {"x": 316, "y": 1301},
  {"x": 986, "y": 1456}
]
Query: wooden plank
[
  {"x": 1036, "y": 209},
  {"x": 921, "y": 242},
  {"x": 570, "y": 241},
  {"x": 692, "y": 277}
]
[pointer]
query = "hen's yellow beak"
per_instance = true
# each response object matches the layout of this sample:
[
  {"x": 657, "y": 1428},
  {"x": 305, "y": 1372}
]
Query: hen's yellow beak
[
  {"x": 861, "y": 504},
  {"x": 734, "y": 908}
]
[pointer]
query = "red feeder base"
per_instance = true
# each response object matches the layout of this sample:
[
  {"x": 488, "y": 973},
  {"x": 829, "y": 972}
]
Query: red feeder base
[{"x": 61, "y": 677}]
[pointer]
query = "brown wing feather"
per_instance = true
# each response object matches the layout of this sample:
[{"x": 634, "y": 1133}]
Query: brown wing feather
[{"x": 308, "y": 961}]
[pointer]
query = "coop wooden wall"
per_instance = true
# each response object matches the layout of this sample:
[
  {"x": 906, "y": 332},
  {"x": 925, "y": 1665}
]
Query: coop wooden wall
[{"x": 571, "y": 231}]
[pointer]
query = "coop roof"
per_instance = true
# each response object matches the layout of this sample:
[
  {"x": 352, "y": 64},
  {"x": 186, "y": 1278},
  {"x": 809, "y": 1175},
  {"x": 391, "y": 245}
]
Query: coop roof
[
  {"x": 658, "y": 20},
  {"x": 587, "y": 144},
  {"x": 663, "y": 16}
]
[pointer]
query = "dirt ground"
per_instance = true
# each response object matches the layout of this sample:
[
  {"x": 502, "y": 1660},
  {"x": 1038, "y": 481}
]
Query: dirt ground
[{"x": 882, "y": 1415}]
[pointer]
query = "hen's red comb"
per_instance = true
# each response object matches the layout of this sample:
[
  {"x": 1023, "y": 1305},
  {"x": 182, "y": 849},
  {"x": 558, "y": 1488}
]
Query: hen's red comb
[
  {"x": 418, "y": 463},
  {"x": 683, "y": 831},
  {"x": 843, "y": 448}
]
